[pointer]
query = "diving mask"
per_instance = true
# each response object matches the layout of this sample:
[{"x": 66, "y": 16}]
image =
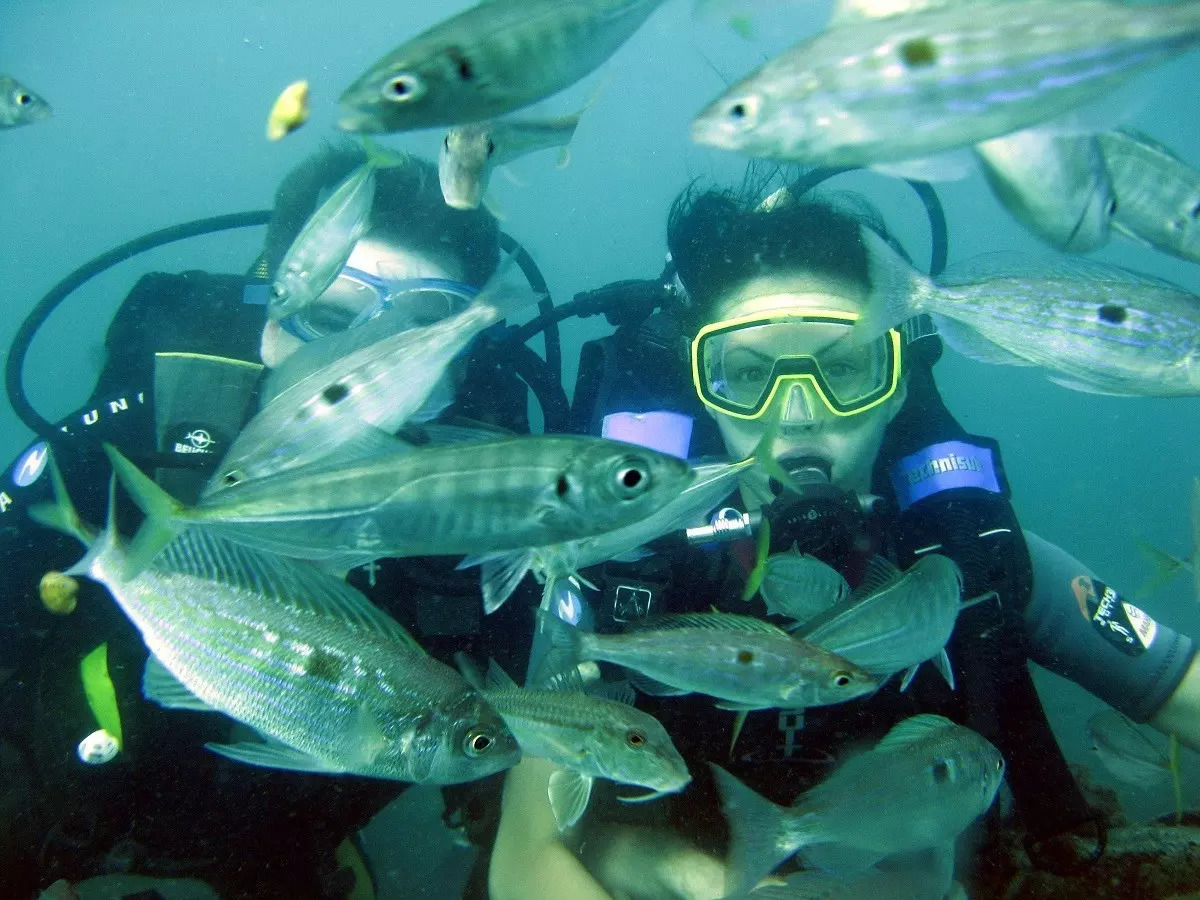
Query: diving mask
[{"x": 740, "y": 365}]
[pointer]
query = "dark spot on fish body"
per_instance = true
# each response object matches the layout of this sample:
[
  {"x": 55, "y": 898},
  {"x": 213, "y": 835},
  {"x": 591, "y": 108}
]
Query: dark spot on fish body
[
  {"x": 324, "y": 665},
  {"x": 745, "y": 657},
  {"x": 635, "y": 738},
  {"x": 335, "y": 393},
  {"x": 918, "y": 53},
  {"x": 563, "y": 487},
  {"x": 941, "y": 770},
  {"x": 232, "y": 477},
  {"x": 462, "y": 65},
  {"x": 491, "y": 146},
  {"x": 1113, "y": 313}
]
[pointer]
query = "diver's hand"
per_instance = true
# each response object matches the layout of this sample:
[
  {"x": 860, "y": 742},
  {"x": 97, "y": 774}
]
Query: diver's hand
[{"x": 648, "y": 863}]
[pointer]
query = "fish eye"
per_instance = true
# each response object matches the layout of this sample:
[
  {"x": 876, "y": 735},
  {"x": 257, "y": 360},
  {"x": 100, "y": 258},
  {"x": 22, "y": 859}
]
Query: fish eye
[
  {"x": 999, "y": 765},
  {"x": 1195, "y": 213},
  {"x": 477, "y": 743},
  {"x": 491, "y": 147},
  {"x": 446, "y": 143},
  {"x": 631, "y": 478},
  {"x": 403, "y": 88},
  {"x": 23, "y": 99},
  {"x": 744, "y": 111},
  {"x": 562, "y": 487},
  {"x": 635, "y": 738},
  {"x": 942, "y": 770},
  {"x": 842, "y": 679},
  {"x": 1112, "y": 207}
]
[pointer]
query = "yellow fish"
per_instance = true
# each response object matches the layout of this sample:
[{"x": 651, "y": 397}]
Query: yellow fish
[{"x": 289, "y": 111}]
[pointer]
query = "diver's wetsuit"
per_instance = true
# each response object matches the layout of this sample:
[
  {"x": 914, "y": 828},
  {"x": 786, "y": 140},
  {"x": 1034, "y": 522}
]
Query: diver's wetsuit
[{"x": 178, "y": 384}]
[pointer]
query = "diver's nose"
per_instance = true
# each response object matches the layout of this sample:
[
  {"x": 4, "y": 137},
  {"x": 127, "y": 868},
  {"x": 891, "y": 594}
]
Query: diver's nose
[{"x": 798, "y": 406}]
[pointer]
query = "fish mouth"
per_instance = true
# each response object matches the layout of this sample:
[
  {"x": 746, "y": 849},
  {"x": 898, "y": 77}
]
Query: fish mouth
[
  {"x": 707, "y": 130},
  {"x": 356, "y": 120}
]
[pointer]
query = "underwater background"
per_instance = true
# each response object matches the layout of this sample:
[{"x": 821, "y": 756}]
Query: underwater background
[{"x": 159, "y": 111}]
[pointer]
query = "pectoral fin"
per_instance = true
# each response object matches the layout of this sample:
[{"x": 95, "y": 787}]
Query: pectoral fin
[{"x": 569, "y": 793}]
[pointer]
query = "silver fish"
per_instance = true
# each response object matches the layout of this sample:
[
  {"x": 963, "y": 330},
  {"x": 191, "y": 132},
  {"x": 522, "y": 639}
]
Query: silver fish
[
  {"x": 1098, "y": 328},
  {"x": 917, "y": 789},
  {"x": 895, "y": 621},
  {"x": 19, "y": 105},
  {"x": 489, "y": 60},
  {"x": 323, "y": 245},
  {"x": 1168, "y": 565},
  {"x": 1158, "y": 194},
  {"x": 331, "y": 682},
  {"x": 450, "y": 499},
  {"x": 362, "y": 397},
  {"x": 502, "y": 572},
  {"x": 745, "y": 662},
  {"x": 470, "y": 152},
  {"x": 800, "y": 586},
  {"x": 588, "y": 736},
  {"x": 1056, "y": 186},
  {"x": 911, "y": 86},
  {"x": 1126, "y": 751}
]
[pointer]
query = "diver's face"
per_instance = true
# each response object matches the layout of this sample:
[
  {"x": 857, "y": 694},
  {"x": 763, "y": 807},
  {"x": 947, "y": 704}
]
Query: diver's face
[
  {"x": 849, "y": 444},
  {"x": 371, "y": 255}
]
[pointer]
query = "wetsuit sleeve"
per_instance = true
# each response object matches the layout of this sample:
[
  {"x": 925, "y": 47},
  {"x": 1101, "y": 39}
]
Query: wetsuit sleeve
[{"x": 1082, "y": 629}]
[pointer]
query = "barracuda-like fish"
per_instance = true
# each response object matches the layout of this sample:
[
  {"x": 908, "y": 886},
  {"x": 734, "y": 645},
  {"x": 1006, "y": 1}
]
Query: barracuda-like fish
[
  {"x": 470, "y": 152},
  {"x": 800, "y": 586},
  {"x": 488, "y": 60},
  {"x": 917, "y": 789},
  {"x": 1056, "y": 186},
  {"x": 1126, "y": 751},
  {"x": 452, "y": 499},
  {"x": 502, "y": 572},
  {"x": 1158, "y": 194},
  {"x": 904, "y": 87},
  {"x": 331, "y": 682},
  {"x": 1098, "y": 328},
  {"x": 745, "y": 662},
  {"x": 362, "y": 397},
  {"x": 589, "y": 736},
  {"x": 895, "y": 621},
  {"x": 19, "y": 105}
]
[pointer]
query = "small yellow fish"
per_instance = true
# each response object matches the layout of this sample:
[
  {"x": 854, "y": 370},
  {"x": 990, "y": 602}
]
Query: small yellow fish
[
  {"x": 289, "y": 111},
  {"x": 58, "y": 592}
]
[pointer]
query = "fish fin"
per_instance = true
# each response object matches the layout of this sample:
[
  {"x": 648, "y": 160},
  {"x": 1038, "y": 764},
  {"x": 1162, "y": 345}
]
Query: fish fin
[
  {"x": 760, "y": 837},
  {"x": 498, "y": 679},
  {"x": 507, "y": 292},
  {"x": 499, "y": 576},
  {"x": 273, "y": 755},
  {"x": 711, "y": 621},
  {"x": 567, "y": 680},
  {"x": 1076, "y": 384},
  {"x": 366, "y": 443},
  {"x": 941, "y": 662},
  {"x": 563, "y": 654},
  {"x": 734, "y": 706},
  {"x": 99, "y": 690},
  {"x": 762, "y": 549},
  {"x": 897, "y": 290},
  {"x": 162, "y": 511},
  {"x": 370, "y": 740},
  {"x": 163, "y": 688},
  {"x": 909, "y": 674},
  {"x": 973, "y": 345},
  {"x": 492, "y": 205},
  {"x": 61, "y": 515},
  {"x": 1166, "y": 567},
  {"x": 512, "y": 177},
  {"x": 763, "y": 456},
  {"x": 616, "y": 691},
  {"x": 880, "y": 575},
  {"x": 469, "y": 671},
  {"x": 952, "y": 165},
  {"x": 913, "y": 729},
  {"x": 1129, "y": 234},
  {"x": 564, "y": 157},
  {"x": 840, "y": 859},
  {"x": 738, "y": 722},
  {"x": 569, "y": 793},
  {"x": 381, "y": 157},
  {"x": 653, "y": 686}
]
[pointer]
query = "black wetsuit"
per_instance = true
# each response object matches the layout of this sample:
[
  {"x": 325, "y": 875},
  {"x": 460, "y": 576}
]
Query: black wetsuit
[{"x": 167, "y": 806}]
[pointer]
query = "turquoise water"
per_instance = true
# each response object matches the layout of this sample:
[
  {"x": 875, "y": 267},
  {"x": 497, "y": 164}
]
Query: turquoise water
[{"x": 159, "y": 119}]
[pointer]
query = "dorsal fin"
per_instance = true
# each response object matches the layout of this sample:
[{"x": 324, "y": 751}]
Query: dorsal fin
[
  {"x": 913, "y": 729},
  {"x": 716, "y": 621},
  {"x": 881, "y": 574}
]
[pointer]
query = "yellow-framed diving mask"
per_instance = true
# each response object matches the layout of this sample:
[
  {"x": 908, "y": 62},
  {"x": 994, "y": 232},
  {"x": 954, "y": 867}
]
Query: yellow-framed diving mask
[{"x": 740, "y": 365}]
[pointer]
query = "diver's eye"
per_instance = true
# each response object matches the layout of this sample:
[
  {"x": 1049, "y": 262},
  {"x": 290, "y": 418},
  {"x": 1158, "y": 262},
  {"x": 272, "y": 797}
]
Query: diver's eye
[
  {"x": 477, "y": 743},
  {"x": 23, "y": 99},
  {"x": 491, "y": 147},
  {"x": 403, "y": 88},
  {"x": 842, "y": 679},
  {"x": 232, "y": 477},
  {"x": 631, "y": 479},
  {"x": 635, "y": 738}
]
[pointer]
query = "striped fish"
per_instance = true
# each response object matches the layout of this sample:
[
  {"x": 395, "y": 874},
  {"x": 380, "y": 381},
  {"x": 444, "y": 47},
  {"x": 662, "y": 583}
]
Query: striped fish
[{"x": 330, "y": 682}]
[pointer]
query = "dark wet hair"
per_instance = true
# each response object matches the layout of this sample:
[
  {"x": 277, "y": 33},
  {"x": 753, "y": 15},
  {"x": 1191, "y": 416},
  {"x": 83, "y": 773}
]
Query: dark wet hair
[
  {"x": 408, "y": 210},
  {"x": 721, "y": 237}
]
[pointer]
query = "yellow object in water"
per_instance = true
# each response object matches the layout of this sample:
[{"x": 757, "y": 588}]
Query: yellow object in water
[
  {"x": 289, "y": 112},
  {"x": 101, "y": 696},
  {"x": 350, "y": 857},
  {"x": 58, "y": 592}
]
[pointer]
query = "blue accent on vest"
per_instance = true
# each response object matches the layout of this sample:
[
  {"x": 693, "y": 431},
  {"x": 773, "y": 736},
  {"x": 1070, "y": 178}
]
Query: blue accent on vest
[
  {"x": 942, "y": 467},
  {"x": 30, "y": 466}
]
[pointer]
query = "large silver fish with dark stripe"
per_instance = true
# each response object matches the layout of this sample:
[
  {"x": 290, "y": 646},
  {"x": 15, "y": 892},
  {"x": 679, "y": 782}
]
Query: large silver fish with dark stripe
[
  {"x": 488, "y": 60},
  {"x": 1095, "y": 327},
  {"x": 449, "y": 499},
  {"x": 913, "y": 85},
  {"x": 330, "y": 681}
]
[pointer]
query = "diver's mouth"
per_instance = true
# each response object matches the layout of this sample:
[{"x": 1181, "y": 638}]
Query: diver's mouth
[{"x": 805, "y": 469}]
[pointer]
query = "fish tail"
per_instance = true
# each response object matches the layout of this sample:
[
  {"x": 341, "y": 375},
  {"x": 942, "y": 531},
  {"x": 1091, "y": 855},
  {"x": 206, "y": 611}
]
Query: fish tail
[
  {"x": 61, "y": 515},
  {"x": 163, "y": 513},
  {"x": 1165, "y": 567},
  {"x": 564, "y": 652},
  {"x": 897, "y": 289},
  {"x": 761, "y": 834}
]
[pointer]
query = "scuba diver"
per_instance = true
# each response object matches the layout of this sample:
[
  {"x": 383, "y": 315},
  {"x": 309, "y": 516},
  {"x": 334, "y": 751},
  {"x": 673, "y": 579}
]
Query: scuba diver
[
  {"x": 184, "y": 363},
  {"x": 764, "y": 292}
]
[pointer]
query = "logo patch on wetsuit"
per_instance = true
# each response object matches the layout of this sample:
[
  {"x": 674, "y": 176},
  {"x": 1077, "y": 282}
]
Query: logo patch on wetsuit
[
  {"x": 30, "y": 466},
  {"x": 941, "y": 467},
  {"x": 189, "y": 438},
  {"x": 1122, "y": 624}
]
